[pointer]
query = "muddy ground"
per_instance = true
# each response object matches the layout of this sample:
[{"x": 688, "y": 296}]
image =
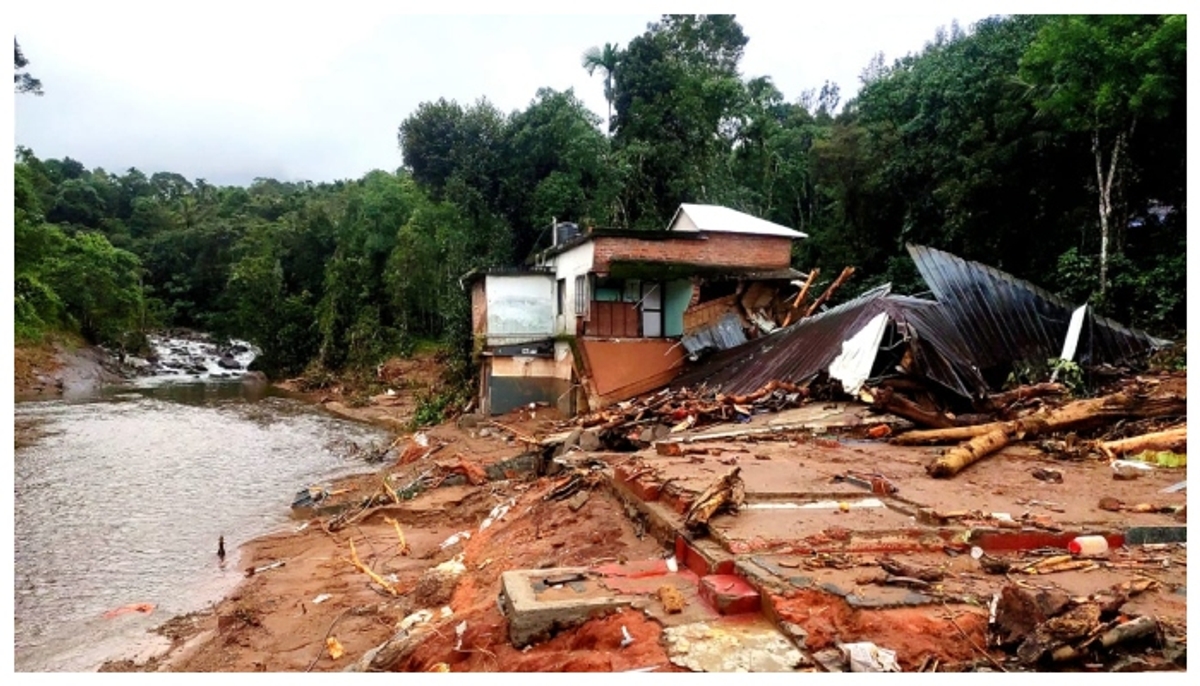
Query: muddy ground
[{"x": 285, "y": 617}]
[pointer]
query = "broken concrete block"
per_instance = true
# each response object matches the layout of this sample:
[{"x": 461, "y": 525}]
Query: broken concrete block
[
  {"x": 536, "y": 612},
  {"x": 729, "y": 594},
  {"x": 589, "y": 440}
]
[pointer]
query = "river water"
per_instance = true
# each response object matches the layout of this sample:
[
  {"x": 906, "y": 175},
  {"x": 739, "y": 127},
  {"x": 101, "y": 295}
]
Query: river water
[{"x": 122, "y": 498}]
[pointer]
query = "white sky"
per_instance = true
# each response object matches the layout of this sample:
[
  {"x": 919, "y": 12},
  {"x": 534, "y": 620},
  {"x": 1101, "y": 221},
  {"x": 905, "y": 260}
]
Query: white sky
[{"x": 229, "y": 92}]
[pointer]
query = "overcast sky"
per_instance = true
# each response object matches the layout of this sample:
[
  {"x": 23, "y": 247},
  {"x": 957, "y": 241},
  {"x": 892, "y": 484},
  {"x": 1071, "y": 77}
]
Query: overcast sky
[{"x": 295, "y": 92}]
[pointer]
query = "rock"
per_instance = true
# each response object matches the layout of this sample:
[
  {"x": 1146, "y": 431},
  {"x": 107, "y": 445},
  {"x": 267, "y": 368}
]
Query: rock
[
  {"x": 589, "y": 441},
  {"x": 795, "y": 632},
  {"x": 228, "y": 362},
  {"x": 831, "y": 659},
  {"x": 469, "y": 421},
  {"x": 572, "y": 439},
  {"x": 254, "y": 377},
  {"x": 1020, "y": 611},
  {"x": 577, "y": 501},
  {"x": 672, "y": 600},
  {"x": 485, "y": 432}
]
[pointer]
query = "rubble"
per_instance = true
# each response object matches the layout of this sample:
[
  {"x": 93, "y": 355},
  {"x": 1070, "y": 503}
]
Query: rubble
[{"x": 777, "y": 514}]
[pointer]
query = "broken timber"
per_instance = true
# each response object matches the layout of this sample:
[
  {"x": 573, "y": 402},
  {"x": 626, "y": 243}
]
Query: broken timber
[
  {"x": 985, "y": 439},
  {"x": 1171, "y": 439}
]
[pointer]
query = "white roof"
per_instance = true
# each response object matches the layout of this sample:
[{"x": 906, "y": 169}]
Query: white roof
[{"x": 716, "y": 218}]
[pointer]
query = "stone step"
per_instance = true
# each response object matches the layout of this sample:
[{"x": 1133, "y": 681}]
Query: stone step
[{"x": 730, "y": 594}]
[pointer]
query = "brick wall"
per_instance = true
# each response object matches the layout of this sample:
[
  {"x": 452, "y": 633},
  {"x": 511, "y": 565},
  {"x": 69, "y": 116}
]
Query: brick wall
[
  {"x": 478, "y": 308},
  {"x": 719, "y": 249}
]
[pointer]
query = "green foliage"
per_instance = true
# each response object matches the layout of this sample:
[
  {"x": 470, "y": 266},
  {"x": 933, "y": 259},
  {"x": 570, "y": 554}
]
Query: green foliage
[
  {"x": 980, "y": 144},
  {"x": 23, "y": 81}
]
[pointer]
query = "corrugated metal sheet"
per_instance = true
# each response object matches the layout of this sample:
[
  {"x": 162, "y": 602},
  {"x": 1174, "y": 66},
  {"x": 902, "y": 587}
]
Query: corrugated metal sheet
[
  {"x": 723, "y": 334},
  {"x": 1005, "y": 320},
  {"x": 793, "y": 354}
]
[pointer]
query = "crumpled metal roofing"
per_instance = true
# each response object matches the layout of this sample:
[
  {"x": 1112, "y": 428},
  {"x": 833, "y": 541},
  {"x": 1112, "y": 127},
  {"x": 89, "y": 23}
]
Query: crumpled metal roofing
[
  {"x": 1006, "y": 320},
  {"x": 723, "y": 334},
  {"x": 982, "y": 319},
  {"x": 806, "y": 348}
]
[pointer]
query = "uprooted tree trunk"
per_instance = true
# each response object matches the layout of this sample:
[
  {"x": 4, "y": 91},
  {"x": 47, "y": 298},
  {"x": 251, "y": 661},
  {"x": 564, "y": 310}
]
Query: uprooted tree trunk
[
  {"x": 1171, "y": 439},
  {"x": 985, "y": 439},
  {"x": 999, "y": 401},
  {"x": 1076, "y": 415}
]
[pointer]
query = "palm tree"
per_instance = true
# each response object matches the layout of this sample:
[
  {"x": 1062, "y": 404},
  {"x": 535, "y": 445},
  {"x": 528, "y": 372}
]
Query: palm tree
[{"x": 606, "y": 60}]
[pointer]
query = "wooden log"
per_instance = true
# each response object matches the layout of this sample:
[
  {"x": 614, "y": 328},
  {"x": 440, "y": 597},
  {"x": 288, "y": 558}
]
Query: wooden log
[
  {"x": 812, "y": 276},
  {"x": 1171, "y": 439},
  {"x": 1073, "y": 416},
  {"x": 1134, "y": 628},
  {"x": 837, "y": 283},
  {"x": 999, "y": 401},
  {"x": 956, "y": 459},
  {"x": 727, "y": 492},
  {"x": 887, "y": 400}
]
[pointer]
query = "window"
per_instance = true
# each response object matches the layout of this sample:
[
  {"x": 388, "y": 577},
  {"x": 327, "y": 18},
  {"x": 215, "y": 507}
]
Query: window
[
  {"x": 562, "y": 295},
  {"x": 581, "y": 295}
]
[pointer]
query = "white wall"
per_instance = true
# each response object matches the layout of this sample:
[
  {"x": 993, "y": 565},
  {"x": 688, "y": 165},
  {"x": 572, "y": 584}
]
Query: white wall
[
  {"x": 567, "y": 265},
  {"x": 520, "y": 308}
]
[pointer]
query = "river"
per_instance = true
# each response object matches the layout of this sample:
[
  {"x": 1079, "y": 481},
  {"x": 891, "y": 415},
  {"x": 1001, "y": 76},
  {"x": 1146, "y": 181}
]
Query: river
[{"x": 123, "y": 496}]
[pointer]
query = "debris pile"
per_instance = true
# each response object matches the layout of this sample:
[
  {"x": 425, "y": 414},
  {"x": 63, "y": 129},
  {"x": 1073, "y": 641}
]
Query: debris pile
[{"x": 1045, "y": 629}]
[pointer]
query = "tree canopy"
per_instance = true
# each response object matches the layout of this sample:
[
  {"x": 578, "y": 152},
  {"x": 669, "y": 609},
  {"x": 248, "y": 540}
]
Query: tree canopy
[{"x": 995, "y": 143}]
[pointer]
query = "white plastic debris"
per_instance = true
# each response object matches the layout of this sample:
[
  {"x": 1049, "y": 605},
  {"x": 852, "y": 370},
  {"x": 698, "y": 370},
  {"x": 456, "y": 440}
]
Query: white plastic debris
[
  {"x": 321, "y": 598},
  {"x": 421, "y": 439},
  {"x": 628, "y": 640},
  {"x": 976, "y": 552},
  {"x": 454, "y": 566},
  {"x": 496, "y": 513},
  {"x": 453, "y": 540},
  {"x": 418, "y": 617},
  {"x": 458, "y": 632},
  {"x": 1130, "y": 469},
  {"x": 672, "y": 565},
  {"x": 868, "y": 657}
]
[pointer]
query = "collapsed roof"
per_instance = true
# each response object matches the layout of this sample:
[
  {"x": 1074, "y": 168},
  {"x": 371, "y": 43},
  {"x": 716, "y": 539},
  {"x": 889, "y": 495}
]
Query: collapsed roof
[{"x": 982, "y": 320}]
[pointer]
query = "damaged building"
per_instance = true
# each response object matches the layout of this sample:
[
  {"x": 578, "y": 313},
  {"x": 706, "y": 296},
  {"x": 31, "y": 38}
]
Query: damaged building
[{"x": 607, "y": 314}]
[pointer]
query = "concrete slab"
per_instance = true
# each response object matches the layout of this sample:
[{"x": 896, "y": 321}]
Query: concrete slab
[
  {"x": 732, "y": 646},
  {"x": 540, "y": 602}
]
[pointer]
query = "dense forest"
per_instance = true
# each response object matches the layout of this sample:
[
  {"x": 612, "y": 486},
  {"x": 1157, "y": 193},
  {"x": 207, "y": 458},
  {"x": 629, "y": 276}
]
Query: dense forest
[{"x": 1051, "y": 147}]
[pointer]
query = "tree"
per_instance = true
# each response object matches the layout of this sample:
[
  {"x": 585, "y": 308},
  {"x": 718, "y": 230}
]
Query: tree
[
  {"x": 1101, "y": 75},
  {"x": 606, "y": 61},
  {"x": 22, "y": 80},
  {"x": 677, "y": 95}
]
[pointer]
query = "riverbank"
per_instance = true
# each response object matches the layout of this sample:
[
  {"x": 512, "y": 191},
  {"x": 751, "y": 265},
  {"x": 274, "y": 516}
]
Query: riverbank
[
  {"x": 61, "y": 365},
  {"x": 279, "y": 618}
]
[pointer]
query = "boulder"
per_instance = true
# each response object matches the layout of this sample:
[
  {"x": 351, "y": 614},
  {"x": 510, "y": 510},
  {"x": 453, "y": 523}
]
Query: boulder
[
  {"x": 228, "y": 362},
  {"x": 589, "y": 441}
]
